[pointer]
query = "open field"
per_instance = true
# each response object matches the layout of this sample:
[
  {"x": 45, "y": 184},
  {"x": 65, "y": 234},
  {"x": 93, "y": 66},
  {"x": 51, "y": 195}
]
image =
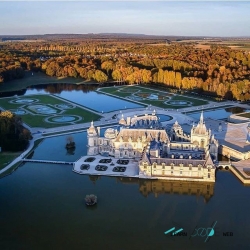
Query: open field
[
  {"x": 37, "y": 79},
  {"x": 154, "y": 97},
  {"x": 236, "y": 44},
  {"x": 41, "y": 110},
  {"x": 202, "y": 46}
]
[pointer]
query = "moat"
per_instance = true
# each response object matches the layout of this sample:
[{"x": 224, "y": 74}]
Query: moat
[{"x": 42, "y": 205}]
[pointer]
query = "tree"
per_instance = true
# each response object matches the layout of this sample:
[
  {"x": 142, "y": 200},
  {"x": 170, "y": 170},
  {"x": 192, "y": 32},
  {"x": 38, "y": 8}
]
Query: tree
[{"x": 99, "y": 76}]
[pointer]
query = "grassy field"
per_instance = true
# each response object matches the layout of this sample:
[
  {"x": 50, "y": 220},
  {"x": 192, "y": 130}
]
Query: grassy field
[
  {"x": 233, "y": 44},
  {"x": 36, "y": 79},
  {"x": 34, "y": 119},
  {"x": 6, "y": 157},
  {"x": 129, "y": 90}
]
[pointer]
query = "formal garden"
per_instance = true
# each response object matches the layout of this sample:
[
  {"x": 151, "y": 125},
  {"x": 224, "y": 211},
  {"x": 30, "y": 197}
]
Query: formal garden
[
  {"x": 150, "y": 96},
  {"x": 47, "y": 111}
]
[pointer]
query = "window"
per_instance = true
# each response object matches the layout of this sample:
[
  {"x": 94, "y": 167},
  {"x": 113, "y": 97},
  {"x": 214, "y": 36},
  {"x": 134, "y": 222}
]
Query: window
[
  {"x": 208, "y": 176},
  {"x": 172, "y": 167},
  {"x": 190, "y": 168},
  {"x": 172, "y": 172},
  {"x": 163, "y": 167},
  {"x": 209, "y": 170},
  {"x": 180, "y": 172}
]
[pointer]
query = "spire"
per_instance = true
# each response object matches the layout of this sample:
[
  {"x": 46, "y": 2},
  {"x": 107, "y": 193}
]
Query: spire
[
  {"x": 201, "y": 118},
  {"x": 92, "y": 124}
]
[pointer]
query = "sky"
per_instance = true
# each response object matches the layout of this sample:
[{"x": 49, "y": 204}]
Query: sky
[{"x": 178, "y": 18}]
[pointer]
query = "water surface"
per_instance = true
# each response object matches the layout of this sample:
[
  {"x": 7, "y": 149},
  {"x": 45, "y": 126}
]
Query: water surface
[
  {"x": 221, "y": 113},
  {"x": 97, "y": 101},
  {"x": 42, "y": 207}
]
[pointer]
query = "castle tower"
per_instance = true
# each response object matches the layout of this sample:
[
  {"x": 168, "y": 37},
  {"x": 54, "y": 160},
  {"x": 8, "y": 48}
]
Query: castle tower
[
  {"x": 176, "y": 132},
  {"x": 200, "y": 135},
  {"x": 92, "y": 135}
]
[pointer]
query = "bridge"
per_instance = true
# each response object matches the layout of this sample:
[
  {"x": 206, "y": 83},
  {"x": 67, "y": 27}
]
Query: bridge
[
  {"x": 223, "y": 164},
  {"x": 46, "y": 161}
]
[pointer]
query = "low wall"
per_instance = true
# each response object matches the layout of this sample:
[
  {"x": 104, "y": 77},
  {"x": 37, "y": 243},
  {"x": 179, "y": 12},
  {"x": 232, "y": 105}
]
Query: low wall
[
  {"x": 235, "y": 118},
  {"x": 239, "y": 176}
]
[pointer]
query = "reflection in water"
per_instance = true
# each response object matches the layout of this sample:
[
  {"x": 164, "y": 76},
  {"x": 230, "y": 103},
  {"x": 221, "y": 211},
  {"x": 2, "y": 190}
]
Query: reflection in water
[
  {"x": 157, "y": 187},
  {"x": 50, "y": 89},
  {"x": 221, "y": 113},
  {"x": 70, "y": 151},
  {"x": 174, "y": 187}
]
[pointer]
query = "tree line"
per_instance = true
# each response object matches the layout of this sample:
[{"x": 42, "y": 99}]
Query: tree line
[{"x": 219, "y": 70}]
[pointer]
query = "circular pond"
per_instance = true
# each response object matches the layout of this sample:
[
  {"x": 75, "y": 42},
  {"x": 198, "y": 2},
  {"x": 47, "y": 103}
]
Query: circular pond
[
  {"x": 65, "y": 106},
  {"x": 64, "y": 119},
  {"x": 23, "y": 101},
  {"x": 178, "y": 103}
]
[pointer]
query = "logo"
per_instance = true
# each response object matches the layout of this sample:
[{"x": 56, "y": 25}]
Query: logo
[
  {"x": 204, "y": 232},
  {"x": 172, "y": 229}
]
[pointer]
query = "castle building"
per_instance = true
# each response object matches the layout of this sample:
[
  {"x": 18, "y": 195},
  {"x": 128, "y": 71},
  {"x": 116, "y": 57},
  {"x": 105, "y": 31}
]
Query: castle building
[{"x": 160, "y": 155}]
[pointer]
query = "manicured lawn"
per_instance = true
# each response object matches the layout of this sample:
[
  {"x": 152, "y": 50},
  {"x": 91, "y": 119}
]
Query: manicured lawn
[
  {"x": 7, "y": 157},
  {"x": 196, "y": 102},
  {"x": 125, "y": 91},
  {"x": 34, "y": 119}
]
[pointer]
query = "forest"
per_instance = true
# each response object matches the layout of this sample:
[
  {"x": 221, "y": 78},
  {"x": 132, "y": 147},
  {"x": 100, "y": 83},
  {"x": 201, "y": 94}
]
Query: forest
[
  {"x": 13, "y": 136},
  {"x": 219, "y": 71}
]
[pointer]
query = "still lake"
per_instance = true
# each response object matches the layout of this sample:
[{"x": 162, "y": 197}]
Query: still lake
[
  {"x": 93, "y": 100},
  {"x": 42, "y": 207}
]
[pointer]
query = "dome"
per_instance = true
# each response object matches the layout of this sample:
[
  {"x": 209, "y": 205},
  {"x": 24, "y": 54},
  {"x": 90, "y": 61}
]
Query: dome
[
  {"x": 122, "y": 121},
  {"x": 110, "y": 133},
  {"x": 91, "y": 129}
]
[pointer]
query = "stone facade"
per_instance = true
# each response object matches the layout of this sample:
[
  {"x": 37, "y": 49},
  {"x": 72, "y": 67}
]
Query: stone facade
[{"x": 160, "y": 155}]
